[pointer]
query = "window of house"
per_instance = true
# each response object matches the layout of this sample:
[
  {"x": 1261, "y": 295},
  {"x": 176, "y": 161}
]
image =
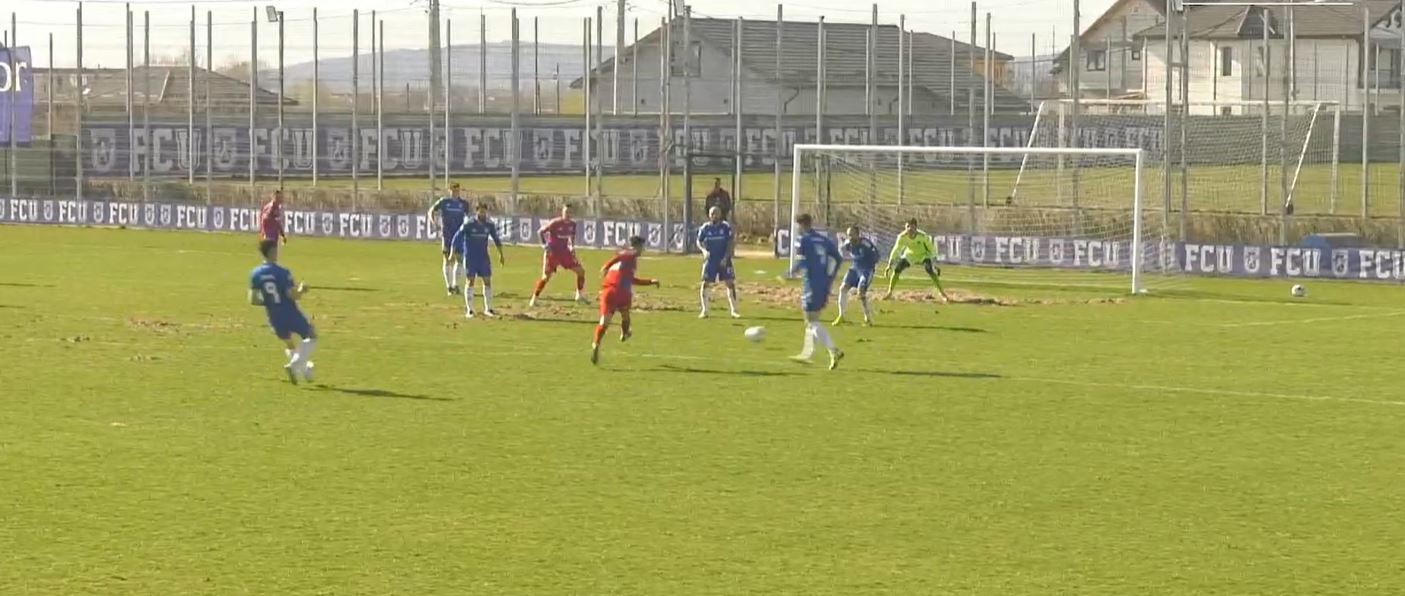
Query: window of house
[
  {"x": 1097, "y": 60},
  {"x": 1227, "y": 61},
  {"x": 1259, "y": 61},
  {"x": 691, "y": 64},
  {"x": 1136, "y": 54}
]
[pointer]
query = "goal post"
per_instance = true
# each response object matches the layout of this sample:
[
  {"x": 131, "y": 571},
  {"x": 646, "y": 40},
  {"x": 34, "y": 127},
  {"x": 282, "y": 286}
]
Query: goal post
[{"x": 1107, "y": 240}]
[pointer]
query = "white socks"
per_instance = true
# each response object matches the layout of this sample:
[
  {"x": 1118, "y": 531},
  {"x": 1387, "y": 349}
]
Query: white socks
[
  {"x": 303, "y": 354},
  {"x": 468, "y": 297},
  {"x": 487, "y": 298},
  {"x": 702, "y": 297},
  {"x": 822, "y": 334},
  {"x": 732, "y": 299},
  {"x": 454, "y": 274},
  {"x": 843, "y": 300},
  {"x": 808, "y": 348},
  {"x": 449, "y": 276},
  {"x": 863, "y": 301}
]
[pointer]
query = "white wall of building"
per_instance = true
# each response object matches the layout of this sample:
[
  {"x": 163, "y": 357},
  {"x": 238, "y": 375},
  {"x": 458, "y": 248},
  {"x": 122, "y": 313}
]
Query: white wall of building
[{"x": 1327, "y": 70}]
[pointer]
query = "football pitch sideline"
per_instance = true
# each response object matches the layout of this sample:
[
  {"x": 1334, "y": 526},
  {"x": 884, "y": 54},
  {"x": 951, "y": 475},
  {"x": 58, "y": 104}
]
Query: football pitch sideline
[{"x": 1221, "y": 439}]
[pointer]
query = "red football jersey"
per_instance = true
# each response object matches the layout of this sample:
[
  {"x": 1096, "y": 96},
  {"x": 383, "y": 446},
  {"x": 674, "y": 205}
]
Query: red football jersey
[
  {"x": 271, "y": 221},
  {"x": 559, "y": 234},
  {"x": 620, "y": 270}
]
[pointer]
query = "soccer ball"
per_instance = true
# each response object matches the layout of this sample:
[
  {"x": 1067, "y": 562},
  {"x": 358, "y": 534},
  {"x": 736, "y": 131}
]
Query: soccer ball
[
  {"x": 755, "y": 334},
  {"x": 1299, "y": 291}
]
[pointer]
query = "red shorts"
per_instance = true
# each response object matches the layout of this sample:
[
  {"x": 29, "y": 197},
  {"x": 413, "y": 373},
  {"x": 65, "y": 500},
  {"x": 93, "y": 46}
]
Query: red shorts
[
  {"x": 613, "y": 300},
  {"x": 559, "y": 258}
]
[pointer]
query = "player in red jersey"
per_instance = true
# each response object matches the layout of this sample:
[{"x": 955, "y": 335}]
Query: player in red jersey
[
  {"x": 617, "y": 292},
  {"x": 559, "y": 239},
  {"x": 271, "y": 219}
]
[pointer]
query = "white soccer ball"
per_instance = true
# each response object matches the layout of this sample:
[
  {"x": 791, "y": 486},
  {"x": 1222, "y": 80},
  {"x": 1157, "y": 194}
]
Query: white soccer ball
[
  {"x": 1299, "y": 291},
  {"x": 755, "y": 334}
]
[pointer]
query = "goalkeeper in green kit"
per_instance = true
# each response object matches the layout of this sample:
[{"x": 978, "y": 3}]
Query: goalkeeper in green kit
[{"x": 911, "y": 247}]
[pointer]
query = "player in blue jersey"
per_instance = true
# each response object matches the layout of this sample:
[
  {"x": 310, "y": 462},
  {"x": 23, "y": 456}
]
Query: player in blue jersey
[
  {"x": 446, "y": 216},
  {"x": 818, "y": 257},
  {"x": 272, "y": 287},
  {"x": 863, "y": 254},
  {"x": 471, "y": 242},
  {"x": 717, "y": 243}
]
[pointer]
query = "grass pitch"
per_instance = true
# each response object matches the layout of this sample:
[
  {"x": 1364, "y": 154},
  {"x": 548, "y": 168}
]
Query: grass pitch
[{"x": 1221, "y": 440}]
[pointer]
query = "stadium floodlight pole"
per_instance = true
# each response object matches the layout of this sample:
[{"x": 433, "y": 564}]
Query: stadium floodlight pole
[
  {"x": 316, "y": 98},
  {"x": 778, "y": 144},
  {"x": 146, "y": 152},
  {"x": 514, "y": 145},
  {"x": 78, "y": 90},
  {"x": 189, "y": 106},
  {"x": 253, "y": 102}
]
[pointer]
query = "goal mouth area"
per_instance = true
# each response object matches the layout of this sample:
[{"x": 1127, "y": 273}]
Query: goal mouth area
[{"x": 964, "y": 199}]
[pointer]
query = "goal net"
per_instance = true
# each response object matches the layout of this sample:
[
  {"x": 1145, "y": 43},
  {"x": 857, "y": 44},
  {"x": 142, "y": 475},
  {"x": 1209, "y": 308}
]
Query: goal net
[
  {"x": 1079, "y": 221},
  {"x": 1225, "y": 156}
]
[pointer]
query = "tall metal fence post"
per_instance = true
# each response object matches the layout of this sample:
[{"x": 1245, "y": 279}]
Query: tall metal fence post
[
  {"x": 131, "y": 104},
  {"x": 378, "y": 38},
  {"x": 482, "y": 63},
  {"x": 282, "y": 95},
  {"x": 209, "y": 109},
  {"x": 145, "y": 106},
  {"x": 253, "y": 103},
  {"x": 687, "y": 149},
  {"x": 355, "y": 137},
  {"x": 598, "y": 66},
  {"x": 634, "y": 76},
  {"x": 902, "y": 103},
  {"x": 78, "y": 88},
  {"x": 778, "y": 146},
  {"x": 820, "y": 86},
  {"x": 448, "y": 94},
  {"x": 738, "y": 103},
  {"x": 190, "y": 141},
  {"x": 514, "y": 144},
  {"x": 619, "y": 51},
  {"x": 316, "y": 98},
  {"x": 537, "y": 66},
  {"x": 1366, "y": 110},
  {"x": 666, "y": 126},
  {"x": 587, "y": 147}
]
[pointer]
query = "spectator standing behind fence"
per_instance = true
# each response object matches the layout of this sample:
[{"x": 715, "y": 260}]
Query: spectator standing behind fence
[
  {"x": 271, "y": 226},
  {"x": 719, "y": 198}
]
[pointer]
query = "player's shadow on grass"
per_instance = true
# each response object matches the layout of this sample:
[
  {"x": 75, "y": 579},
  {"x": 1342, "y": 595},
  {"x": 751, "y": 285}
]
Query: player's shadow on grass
[
  {"x": 379, "y": 393},
  {"x": 878, "y": 326},
  {"x": 549, "y": 319},
  {"x": 15, "y": 284},
  {"x": 709, "y": 371},
  {"x": 935, "y": 373}
]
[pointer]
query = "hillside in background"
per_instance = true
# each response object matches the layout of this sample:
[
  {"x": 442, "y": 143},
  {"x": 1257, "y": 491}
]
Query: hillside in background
[{"x": 411, "y": 67}]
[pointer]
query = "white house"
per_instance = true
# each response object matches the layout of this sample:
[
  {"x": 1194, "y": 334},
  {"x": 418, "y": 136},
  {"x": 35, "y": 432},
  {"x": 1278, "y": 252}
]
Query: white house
[
  {"x": 935, "y": 70},
  {"x": 1111, "y": 63},
  {"x": 1230, "y": 62}
]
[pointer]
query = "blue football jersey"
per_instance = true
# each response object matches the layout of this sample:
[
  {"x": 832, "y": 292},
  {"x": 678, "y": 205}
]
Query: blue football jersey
[
  {"x": 275, "y": 284},
  {"x": 452, "y": 212},
  {"x": 818, "y": 257},
  {"x": 716, "y": 238},
  {"x": 475, "y": 236},
  {"x": 863, "y": 252}
]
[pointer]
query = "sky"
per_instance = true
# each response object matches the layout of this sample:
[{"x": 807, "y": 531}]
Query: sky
[{"x": 559, "y": 21}]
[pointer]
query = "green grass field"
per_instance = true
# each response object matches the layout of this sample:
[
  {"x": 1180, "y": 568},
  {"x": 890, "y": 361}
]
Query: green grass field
[{"x": 1220, "y": 440}]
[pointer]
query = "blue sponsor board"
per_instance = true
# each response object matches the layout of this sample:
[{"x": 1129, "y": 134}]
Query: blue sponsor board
[
  {"x": 16, "y": 95},
  {"x": 1288, "y": 262},
  {"x": 591, "y": 233}
]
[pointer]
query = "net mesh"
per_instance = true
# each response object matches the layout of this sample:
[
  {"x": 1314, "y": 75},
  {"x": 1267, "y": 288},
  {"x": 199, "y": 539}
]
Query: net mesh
[
  {"x": 1241, "y": 157},
  {"x": 1071, "y": 222}
]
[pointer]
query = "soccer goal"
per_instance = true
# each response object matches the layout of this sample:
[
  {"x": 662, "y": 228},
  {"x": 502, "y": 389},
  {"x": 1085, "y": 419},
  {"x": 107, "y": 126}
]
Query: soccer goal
[
  {"x": 1238, "y": 156},
  {"x": 1106, "y": 240}
]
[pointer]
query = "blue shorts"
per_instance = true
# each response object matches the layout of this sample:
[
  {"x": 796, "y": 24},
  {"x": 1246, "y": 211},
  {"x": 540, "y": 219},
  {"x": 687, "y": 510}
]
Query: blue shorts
[
  {"x": 859, "y": 278},
  {"x": 814, "y": 299},
  {"x": 448, "y": 246},
  {"x": 478, "y": 267},
  {"x": 714, "y": 271},
  {"x": 285, "y": 325}
]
